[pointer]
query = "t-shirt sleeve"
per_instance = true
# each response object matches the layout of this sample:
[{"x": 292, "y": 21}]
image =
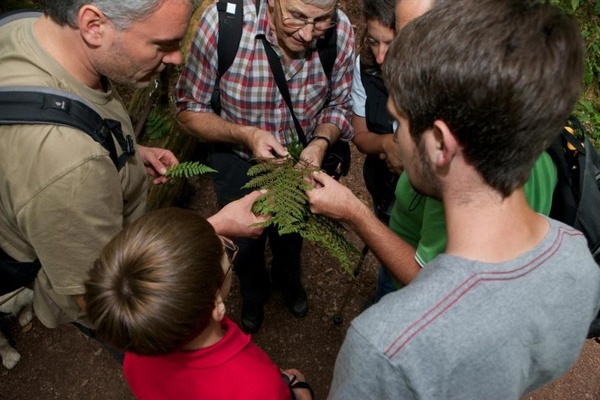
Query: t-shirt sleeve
[
  {"x": 359, "y": 96},
  {"x": 433, "y": 232},
  {"x": 539, "y": 188},
  {"x": 362, "y": 372}
]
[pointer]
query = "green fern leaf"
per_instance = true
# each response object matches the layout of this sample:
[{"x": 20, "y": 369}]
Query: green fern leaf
[
  {"x": 285, "y": 200},
  {"x": 157, "y": 125},
  {"x": 187, "y": 169}
]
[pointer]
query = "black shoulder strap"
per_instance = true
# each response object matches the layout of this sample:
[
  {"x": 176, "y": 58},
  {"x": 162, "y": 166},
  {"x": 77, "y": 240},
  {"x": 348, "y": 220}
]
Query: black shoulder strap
[
  {"x": 279, "y": 77},
  {"x": 327, "y": 47},
  {"x": 327, "y": 54},
  {"x": 42, "y": 105},
  {"x": 231, "y": 18}
]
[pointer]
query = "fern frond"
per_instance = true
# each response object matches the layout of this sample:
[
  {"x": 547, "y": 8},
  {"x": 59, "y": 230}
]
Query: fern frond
[
  {"x": 157, "y": 125},
  {"x": 329, "y": 234},
  {"x": 286, "y": 201},
  {"x": 187, "y": 169}
]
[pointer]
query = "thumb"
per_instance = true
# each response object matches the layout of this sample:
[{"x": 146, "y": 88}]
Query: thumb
[
  {"x": 320, "y": 178},
  {"x": 254, "y": 195},
  {"x": 156, "y": 163},
  {"x": 280, "y": 150}
]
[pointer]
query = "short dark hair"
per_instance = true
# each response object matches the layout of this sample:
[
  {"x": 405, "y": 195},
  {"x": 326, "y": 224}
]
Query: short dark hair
[
  {"x": 502, "y": 74},
  {"x": 153, "y": 287}
]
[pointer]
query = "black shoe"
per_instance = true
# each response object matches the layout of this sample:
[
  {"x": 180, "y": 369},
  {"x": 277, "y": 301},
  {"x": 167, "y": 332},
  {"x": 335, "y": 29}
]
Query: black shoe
[
  {"x": 252, "y": 316},
  {"x": 296, "y": 301}
]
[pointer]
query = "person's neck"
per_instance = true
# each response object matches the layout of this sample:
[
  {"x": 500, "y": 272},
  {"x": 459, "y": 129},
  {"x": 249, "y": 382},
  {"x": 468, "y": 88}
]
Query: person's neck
[
  {"x": 485, "y": 227},
  {"x": 66, "y": 46},
  {"x": 212, "y": 334}
]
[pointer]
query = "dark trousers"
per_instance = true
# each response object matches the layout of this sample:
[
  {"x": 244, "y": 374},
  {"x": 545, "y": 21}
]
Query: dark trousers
[{"x": 250, "y": 263}]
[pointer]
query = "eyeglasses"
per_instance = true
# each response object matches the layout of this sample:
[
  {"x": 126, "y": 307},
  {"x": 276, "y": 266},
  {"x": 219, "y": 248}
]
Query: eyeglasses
[
  {"x": 231, "y": 251},
  {"x": 299, "y": 23}
]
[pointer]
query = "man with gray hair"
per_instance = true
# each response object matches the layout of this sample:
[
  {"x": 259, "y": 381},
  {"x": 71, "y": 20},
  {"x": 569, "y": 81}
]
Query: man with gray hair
[
  {"x": 61, "y": 197},
  {"x": 487, "y": 87},
  {"x": 255, "y": 121}
]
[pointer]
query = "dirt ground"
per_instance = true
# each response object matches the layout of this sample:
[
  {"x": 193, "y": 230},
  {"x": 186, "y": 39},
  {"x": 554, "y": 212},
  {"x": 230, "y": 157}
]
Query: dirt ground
[{"x": 64, "y": 364}]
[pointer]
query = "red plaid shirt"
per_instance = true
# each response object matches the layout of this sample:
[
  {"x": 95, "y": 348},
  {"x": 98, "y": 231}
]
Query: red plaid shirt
[{"x": 249, "y": 93}]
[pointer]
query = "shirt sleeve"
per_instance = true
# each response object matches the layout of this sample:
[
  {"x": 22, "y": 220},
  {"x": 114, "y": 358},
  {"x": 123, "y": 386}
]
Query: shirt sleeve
[
  {"x": 433, "y": 232},
  {"x": 196, "y": 82},
  {"x": 359, "y": 96},
  {"x": 361, "y": 372},
  {"x": 539, "y": 188},
  {"x": 339, "y": 109}
]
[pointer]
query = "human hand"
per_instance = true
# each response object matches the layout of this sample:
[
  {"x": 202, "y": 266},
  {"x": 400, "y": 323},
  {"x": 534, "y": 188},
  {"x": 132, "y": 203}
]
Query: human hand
[
  {"x": 391, "y": 155},
  {"x": 331, "y": 198},
  {"x": 302, "y": 390},
  {"x": 264, "y": 145},
  {"x": 157, "y": 161},
  {"x": 236, "y": 219},
  {"x": 314, "y": 153}
]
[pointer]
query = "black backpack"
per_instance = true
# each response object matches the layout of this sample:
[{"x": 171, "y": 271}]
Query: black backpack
[
  {"x": 576, "y": 198},
  {"x": 44, "y": 105},
  {"x": 231, "y": 12}
]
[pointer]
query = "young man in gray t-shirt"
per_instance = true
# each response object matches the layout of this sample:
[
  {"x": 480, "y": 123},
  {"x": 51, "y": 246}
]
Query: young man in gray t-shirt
[{"x": 487, "y": 87}]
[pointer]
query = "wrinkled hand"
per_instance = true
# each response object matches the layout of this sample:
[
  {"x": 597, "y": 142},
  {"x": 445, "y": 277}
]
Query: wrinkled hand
[
  {"x": 264, "y": 145},
  {"x": 314, "y": 153},
  {"x": 391, "y": 155},
  {"x": 236, "y": 218},
  {"x": 157, "y": 161},
  {"x": 331, "y": 198}
]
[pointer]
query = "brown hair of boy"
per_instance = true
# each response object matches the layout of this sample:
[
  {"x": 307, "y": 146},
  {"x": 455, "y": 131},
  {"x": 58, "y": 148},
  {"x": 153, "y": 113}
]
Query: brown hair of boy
[{"x": 153, "y": 287}]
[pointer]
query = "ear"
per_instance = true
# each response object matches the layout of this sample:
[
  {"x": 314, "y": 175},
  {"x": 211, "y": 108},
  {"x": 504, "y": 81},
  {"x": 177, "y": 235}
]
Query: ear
[
  {"x": 443, "y": 145},
  {"x": 92, "y": 24},
  {"x": 219, "y": 311}
]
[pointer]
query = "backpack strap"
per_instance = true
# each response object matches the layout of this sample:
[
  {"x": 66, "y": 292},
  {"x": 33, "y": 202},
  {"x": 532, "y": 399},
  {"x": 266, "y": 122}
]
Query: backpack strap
[
  {"x": 327, "y": 48},
  {"x": 279, "y": 77},
  {"x": 231, "y": 18},
  {"x": 18, "y": 14},
  {"x": 42, "y": 105}
]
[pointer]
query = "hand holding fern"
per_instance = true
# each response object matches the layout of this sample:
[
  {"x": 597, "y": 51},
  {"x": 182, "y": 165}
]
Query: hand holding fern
[
  {"x": 332, "y": 199},
  {"x": 264, "y": 145},
  {"x": 157, "y": 161},
  {"x": 236, "y": 219}
]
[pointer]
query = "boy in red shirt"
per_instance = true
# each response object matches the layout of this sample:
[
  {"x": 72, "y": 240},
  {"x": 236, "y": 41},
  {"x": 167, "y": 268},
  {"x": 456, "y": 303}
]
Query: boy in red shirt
[{"x": 157, "y": 291}]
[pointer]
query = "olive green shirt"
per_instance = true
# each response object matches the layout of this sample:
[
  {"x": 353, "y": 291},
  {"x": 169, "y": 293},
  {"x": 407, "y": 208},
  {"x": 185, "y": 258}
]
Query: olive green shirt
[{"x": 61, "y": 197}]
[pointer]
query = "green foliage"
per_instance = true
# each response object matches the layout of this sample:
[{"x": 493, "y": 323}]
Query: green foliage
[
  {"x": 286, "y": 201},
  {"x": 12, "y": 5},
  {"x": 295, "y": 148},
  {"x": 188, "y": 169},
  {"x": 587, "y": 14},
  {"x": 158, "y": 125}
]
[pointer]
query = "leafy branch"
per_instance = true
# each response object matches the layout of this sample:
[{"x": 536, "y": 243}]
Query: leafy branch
[{"x": 286, "y": 201}]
